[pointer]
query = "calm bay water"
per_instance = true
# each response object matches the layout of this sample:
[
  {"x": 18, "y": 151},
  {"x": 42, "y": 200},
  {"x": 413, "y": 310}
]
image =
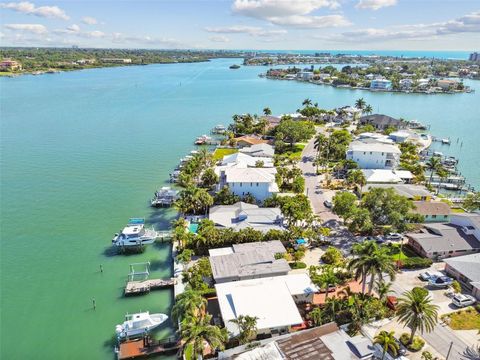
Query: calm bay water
[{"x": 81, "y": 152}]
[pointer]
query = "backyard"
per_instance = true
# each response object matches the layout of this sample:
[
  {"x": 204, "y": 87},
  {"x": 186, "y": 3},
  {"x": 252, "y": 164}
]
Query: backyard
[{"x": 221, "y": 152}]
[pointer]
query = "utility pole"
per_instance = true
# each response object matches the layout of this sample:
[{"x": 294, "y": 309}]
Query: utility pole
[{"x": 449, "y": 349}]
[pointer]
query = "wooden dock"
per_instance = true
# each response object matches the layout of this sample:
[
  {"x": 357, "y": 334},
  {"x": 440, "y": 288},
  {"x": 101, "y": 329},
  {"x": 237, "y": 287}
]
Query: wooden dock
[
  {"x": 145, "y": 347},
  {"x": 144, "y": 286}
]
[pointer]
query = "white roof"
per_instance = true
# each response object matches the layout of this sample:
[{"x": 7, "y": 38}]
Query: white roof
[
  {"x": 241, "y": 158},
  {"x": 269, "y": 299},
  {"x": 374, "y": 146},
  {"x": 260, "y": 175},
  {"x": 401, "y": 133},
  {"x": 220, "y": 251},
  {"x": 269, "y": 351},
  {"x": 404, "y": 174},
  {"x": 381, "y": 176}
]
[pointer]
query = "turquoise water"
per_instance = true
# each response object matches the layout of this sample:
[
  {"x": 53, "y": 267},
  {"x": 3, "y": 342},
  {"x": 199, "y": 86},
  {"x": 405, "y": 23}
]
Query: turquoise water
[{"x": 81, "y": 152}]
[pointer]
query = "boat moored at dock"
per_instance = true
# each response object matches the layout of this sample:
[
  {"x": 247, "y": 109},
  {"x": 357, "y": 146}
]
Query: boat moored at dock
[
  {"x": 134, "y": 234},
  {"x": 166, "y": 196},
  {"x": 138, "y": 324}
]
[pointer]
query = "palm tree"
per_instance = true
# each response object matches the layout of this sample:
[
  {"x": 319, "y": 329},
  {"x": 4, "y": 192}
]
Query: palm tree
[
  {"x": 433, "y": 164},
  {"x": 326, "y": 279},
  {"x": 368, "y": 109},
  {"x": 185, "y": 257},
  {"x": 360, "y": 103},
  {"x": 188, "y": 304},
  {"x": 247, "y": 326},
  {"x": 267, "y": 111},
  {"x": 388, "y": 342},
  {"x": 307, "y": 102},
  {"x": 358, "y": 264},
  {"x": 378, "y": 263},
  {"x": 356, "y": 178},
  {"x": 415, "y": 310},
  {"x": 383, "y": 289},
  {"x": 198, "y": 332}
]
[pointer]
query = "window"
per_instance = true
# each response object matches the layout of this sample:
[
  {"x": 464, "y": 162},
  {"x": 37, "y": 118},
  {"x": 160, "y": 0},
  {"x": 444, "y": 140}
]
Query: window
[
  {"x": 251, "y": 184},
  {"x": 445, "y": 216},
  {"x": 382, "y": 153},
  {"x": 364, "y": 153},
  {"x": 370, "y": 153},
  {"x": 240, "y": 184},
  {"x": 257, "y": 184},
  {"x": 434, "y": 216}
]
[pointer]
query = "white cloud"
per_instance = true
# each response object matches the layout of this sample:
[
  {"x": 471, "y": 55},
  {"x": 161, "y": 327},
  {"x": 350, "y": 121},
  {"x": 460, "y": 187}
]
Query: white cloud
[
  {"x": 264, "y": 9},
  {"x": 93, "y": 34},
  {"x": 375, "y": 4},
  {"x": 73, "y": 28},
  {"x": 120, "y": 38},
  {"x": 89, "y": 20},
  {"x": 31, "y": 28},
  {"x": 29, "y": 8},
  {"x": 310, "y": 22},
  {"x": 219, "y": 38},
  {"x": 250, "y": 30},
  {"x": 469, "y": 23},
  {"x": 291, "y": 13}
]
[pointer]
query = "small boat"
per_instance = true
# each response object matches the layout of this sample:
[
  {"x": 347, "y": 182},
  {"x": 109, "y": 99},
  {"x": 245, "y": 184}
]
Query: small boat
[
  {"x": 166, "y": 196},
  {"x": 234, "y": 66},
  {"x": 437, "y": 153},
  {"x": 138, "y": 324},
  {"x": 202, "y": 140},
  {"x": 446, "y": 141},
  {"x": 219, "y": 129},
  {"x": 134, "y": 234}
]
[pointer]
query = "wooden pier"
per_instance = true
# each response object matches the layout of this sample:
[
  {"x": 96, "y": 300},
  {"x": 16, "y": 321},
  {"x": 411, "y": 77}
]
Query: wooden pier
[
  {"x": 144, "y": 286},
  {"x": 147, "y": 346}
]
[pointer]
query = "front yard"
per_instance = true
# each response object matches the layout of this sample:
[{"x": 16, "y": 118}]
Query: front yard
[{"x": 467, "y": 319}]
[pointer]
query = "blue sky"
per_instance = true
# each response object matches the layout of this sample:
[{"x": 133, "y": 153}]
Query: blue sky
[{"x": 244, "y": 24}]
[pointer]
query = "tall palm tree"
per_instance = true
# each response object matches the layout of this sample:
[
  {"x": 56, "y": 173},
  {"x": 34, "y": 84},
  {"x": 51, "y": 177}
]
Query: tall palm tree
[
  {"x": 388, "y": 342},
  {"x": 356, "y": 178},
  {"x": 433, "y": 164},
  {"x": 247, "y": 326},
  {"x": 267, "y": 111},
  {"x": 188, "y": 304},
  {"x": 415, "y": 310},
  {"x": 358, "y": 263},
  {"x": 360, "y": 103},
  {"x": 198, "y": 332},
  {"x": 368, "y": 109},
  {"x": 378, "y": 263}
]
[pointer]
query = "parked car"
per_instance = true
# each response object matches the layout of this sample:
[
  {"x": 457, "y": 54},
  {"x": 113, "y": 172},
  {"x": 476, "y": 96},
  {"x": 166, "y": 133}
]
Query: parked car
[
  {"x": 394, "y": 236},
  {"x": 460, "y": 300},
  {"x": 379, "y": 239},
  {"x": 430, "y": 274},
  {"x": 440, "y": 281},
  {"x": 328, "y": 204}
]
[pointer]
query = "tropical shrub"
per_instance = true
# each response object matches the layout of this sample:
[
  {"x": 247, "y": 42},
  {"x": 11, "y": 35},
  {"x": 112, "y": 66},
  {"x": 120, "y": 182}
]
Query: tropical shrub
[
  {"x": 415, "y": 263},
  {"x": 298, "y": 265},
  {"x": 416, "y": 345}
]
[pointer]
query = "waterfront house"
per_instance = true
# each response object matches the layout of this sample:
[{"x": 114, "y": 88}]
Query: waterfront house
[
  {"x": 244, "y": 141},
  {"x": 241, "y": 159},
  {"x": 461, "y": 236},
  {"x": 242, "y": 215},
  {"x": 400, "y": 136},
  {"x": 10, "y": 65},
  {"x": 410, "y": 191},
  {"x": 447, "y": 84},
  {"x": 259, "y": 150},
  {"x": 465, "y": 269},
  {"x": 382, "y": 122},
  {"x": 373, "y": 155},
  {"x": 272, "y": 300},
  {"x": 305, "y": 75},
  {"x": 374, "y": 137},
  {"x": 381, "y": 176},
  {"x": 380, "y": 84},
  {"x": 406, "y": 84},
  {"x": 259, "y": 182},
  {"x": 248, "y": 261},
  {"x": 433, "y": 211},
  {"x": 325, "y": 342},
  {"x": 116, "y": 60}
]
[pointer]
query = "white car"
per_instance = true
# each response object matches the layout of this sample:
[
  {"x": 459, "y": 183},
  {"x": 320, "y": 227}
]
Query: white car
[
  {"x": 460, "y": 300},
  {"x": 427, "y": 275},
  {"x": 394, "y": 236}
]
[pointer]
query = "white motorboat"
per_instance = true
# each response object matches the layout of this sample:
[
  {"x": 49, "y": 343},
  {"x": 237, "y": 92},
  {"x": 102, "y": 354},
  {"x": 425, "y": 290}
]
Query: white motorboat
[
  {"x": 138, "y": 324},
  {"x": 134, "y": 234}
]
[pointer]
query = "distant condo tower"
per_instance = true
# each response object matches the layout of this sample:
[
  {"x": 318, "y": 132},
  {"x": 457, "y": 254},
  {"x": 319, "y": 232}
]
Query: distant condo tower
[{"x": 474, "y": 57}]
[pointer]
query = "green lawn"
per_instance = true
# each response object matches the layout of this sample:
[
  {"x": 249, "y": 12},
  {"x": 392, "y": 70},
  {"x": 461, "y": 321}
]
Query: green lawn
[
  {"x": 457, "y": 210},
  {"x": 405, "y": 252},
  {"x": 468, "y": 319},
  {"x": 295, "y": 153},
  {"x": 221, "y": 152}
]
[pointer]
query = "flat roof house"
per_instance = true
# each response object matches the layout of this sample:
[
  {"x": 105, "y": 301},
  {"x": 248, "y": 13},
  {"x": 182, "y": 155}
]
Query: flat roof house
[
  {"x": 466, "y": 269},
  {"x": 272, "y": 300},
  {"x": 326, "y": 342},
  {"x": 373, "y": 155},
  {"x": 433, "y": 211},
  {"x": 242, "y": 215},
  {"x": 248, "y": 261},
  {"x": 259, "y": 150},
  {"x": 381, "y": 122},
  {"x": 438, "y": 241}
]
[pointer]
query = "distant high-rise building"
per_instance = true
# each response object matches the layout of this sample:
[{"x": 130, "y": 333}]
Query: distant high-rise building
[{"x": 474, "y": 57}]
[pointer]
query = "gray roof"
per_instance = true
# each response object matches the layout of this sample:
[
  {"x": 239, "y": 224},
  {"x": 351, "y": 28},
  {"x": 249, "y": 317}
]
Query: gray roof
[
  {"x": 468, "y": 266},
  {"x": 382, "y": 120},
  {"x": 444, "y": 237},
  {"x": 262, "y": 150},
  {"x": 242, "y": 215},
  {"x": 250, "y": 260},
  {"x": 407, "y": 190},
  {"x": 473, "y": 217}
]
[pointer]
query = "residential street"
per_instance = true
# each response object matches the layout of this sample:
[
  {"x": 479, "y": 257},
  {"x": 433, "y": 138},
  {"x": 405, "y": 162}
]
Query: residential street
[{"x": 316, "y": 195}]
